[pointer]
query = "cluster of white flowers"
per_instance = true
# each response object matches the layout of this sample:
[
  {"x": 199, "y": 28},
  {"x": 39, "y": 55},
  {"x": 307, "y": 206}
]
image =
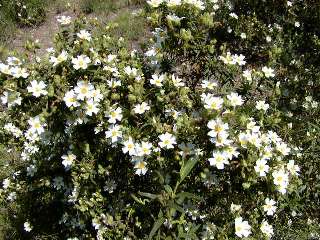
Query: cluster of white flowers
[
  {"x": 310, "y": 103},
  {"x": 62, "y": 57},
  {"x": 174, "y": 3},
  {"x": 9, "y": 127},
  {"x": 85, "y": 95},
  {"x": 233, "y": 59},
  {"x": 13, "y": 68},
  {"x": 64, "y": 20},
  {"x": 11, "y": 99}
]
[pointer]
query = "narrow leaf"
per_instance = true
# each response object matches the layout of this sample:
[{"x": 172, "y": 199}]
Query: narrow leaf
[{"x": 186, "y": 169}]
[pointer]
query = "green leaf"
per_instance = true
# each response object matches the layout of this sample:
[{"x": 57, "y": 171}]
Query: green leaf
[
  {"x": 156, "y": 225},
  {"x": 186, "y": 169},
  {"x": 139, "y": 200},
  {"x": 168, "y": 189},
  {"x": 148, "y": 195}
]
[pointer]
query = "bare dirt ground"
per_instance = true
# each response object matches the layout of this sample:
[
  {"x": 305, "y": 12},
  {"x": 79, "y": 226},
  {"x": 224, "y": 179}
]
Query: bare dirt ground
[{"x": 45, "y": 32}]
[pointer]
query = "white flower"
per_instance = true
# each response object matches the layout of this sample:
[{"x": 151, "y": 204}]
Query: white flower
[
  {"x": 247, "y": 75},
  {"x": 35, "y": 125},
  {"x": 5, "y": 69},
  {"x": 37, "y": 88},
  {"x": 113, "y": 83},
  {"x": 231, "y": 152},
  {"x": 9, "y": 127},
  {"x": 268, "y": 72},
  {"x": 209, "y": 84},
  {"x": 96, "y": 95},
  {"x": 229, "y": 59},
  {"x": 84, "y": 34},
  {"x": 18, "y": 72},
  {"x": 235, "y": 99},
  {"x": 131, "y": 72},
  {"x": 81, "y": 62},
  {"x": 141, "y": 108},
  {"x": 269, "y": 206},
  {"x": 70, "y": 99},
  {"x": 239, "y": 59},
  {"x": 144, "y": 149},
  {"x": 64, "y": 20},
  {"x": 235, "y": 208},
  {"x": 221, "y": 139},
  {"x": 155, "y": 3},
  {"x": 13, "y": 61},
  {"x": 115, "y": 114},
  {"x": 157, "y": 80},
  {"x": 262, "y": 105},
  {"x": 68, "y": 160},
  {"x": 63, "y": 56},
  {"x": 217, "y": 127},
  {"x": 27, "y": 227},
  {"x": 91, "y": 107},
  {"x": 219, "y": 159},
  {"x": 243, "y": 35},
  {"x": 6, "y": 183},
  {"x": 283, "y": 148},
  {"x": 261, "y": 167},
  {"x": 177, "y": 82},
  {"x": 233, "y": 15},
  {"x": 196, "y": 3},
  {"x": 129, "y": 147},
  {"x": 114, "y": 133},
  {"x": 297, "y": 24},
  {"x": 173, "y": 3},
  {"x": 292, "y": 168},
  {"x": 266, "y": 228},
  {"x": 213, "y": 103},
  {"x": 140, "y": 167},
  {"x": 268, "y": 39},
  {"x": 83, "y": 90},
  {"x": 281, "y": 180},
  {"x": 31, "y": 170},
  {"x": 242, "y": 228},
  {"x": 167, "y": 140},
  {"x": 11, "y": 98}
]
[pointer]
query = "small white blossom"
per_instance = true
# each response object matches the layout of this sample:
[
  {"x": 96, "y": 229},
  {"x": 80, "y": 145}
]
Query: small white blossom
[
  {"x": 292, "y": 168},
  {"x": 266, "y": 229},
  {"x": 167, "y": 140},
  {"x": 64, "y": 20},
  {"x": 219, "y": 159},
  {"x": 268, "y": 72},
  {"x": 242, "y": 228},
  {"x": 81, "y": 62},
  {"x": 262, "y": 105},
  {"x": 68, "y": 160},
  {"x": 115, "y": 114},
  {"x": 84, "y": 34},
  {"x": 269, "y": 206},
  {"x": 37, "y": 88},
  {"x": 157, "y": 80},
  {"x": 261, "y": 167},
  {"x": 141, "y": 108},
  {"x": 235, "y": 99},
  {"x": 27, "y": 227},
  {"x": 114, "y": 133}
]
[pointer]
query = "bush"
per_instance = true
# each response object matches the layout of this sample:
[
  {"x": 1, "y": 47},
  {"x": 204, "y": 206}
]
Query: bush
[{"x": 170, "y": 143}]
